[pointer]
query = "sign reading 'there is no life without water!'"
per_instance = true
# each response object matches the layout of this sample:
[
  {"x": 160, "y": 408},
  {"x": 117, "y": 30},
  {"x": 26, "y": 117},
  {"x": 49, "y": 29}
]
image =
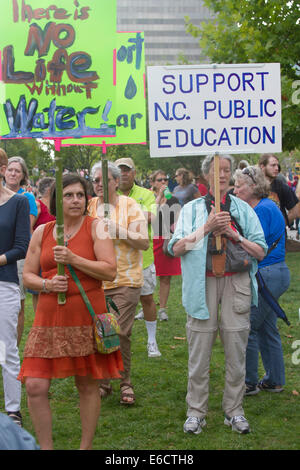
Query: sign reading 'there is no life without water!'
[{"x": 196, "y": 110}]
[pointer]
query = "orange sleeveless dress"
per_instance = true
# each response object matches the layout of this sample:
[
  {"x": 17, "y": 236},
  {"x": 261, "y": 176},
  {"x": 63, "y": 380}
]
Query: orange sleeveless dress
[{"x": 61, "y": 341}]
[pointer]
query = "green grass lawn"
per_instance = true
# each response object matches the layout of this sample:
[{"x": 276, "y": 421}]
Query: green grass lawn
[{"x": 155, "y": 422}]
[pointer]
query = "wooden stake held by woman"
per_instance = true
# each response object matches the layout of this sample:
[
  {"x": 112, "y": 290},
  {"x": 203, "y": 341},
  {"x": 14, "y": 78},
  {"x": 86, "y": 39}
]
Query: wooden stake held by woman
[
  {"x": 59, "y": 213},
  {"x": 105, "y": 187},
  {"x": 217, "y": 194}
]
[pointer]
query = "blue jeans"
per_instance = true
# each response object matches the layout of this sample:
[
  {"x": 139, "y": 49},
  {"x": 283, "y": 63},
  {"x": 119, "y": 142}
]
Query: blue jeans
[{"x": 264, "y": 336}]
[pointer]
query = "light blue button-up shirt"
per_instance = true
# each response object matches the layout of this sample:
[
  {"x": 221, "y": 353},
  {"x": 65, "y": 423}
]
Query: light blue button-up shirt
[{"x": 193, "y": 263}]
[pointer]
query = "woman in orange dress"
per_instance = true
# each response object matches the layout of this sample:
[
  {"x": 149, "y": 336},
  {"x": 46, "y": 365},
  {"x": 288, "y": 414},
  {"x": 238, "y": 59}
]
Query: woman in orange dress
[{"x": 61, "y": 342}]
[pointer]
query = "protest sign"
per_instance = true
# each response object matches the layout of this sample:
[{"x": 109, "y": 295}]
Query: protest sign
[
  {"x": 196, "y": 110},
  {"x": 57, "y": 69},
  {"x": 57, "y": 77},
  {"x": 129, "y": 80}
]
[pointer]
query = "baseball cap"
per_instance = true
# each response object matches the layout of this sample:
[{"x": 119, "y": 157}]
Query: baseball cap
[{"x": 126, "y": 162}]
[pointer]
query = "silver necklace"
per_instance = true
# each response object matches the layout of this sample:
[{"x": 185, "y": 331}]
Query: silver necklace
[{"x": 68, "y": 236}]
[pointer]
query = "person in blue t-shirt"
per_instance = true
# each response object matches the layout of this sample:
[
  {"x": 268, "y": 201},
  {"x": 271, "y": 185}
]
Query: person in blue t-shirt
[
  {"x": 16, "y": 176},
  {"x": 185, "y": 191},
  {"x": 252, "y": 186},
  {"x": 14, "y": 240}
]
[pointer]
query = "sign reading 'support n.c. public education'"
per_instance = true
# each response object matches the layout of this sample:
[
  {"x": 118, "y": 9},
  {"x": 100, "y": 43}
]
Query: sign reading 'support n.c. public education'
[{"x": 196, "y": 110}]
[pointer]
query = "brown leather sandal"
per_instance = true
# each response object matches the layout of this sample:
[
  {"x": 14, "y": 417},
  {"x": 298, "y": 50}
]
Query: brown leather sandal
[
  {"x": 124, "y": 387},
  {"x": 105, "y": 390}
]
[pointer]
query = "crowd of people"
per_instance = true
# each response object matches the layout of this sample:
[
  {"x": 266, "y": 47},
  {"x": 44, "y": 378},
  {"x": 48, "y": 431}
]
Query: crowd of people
[{"x": 119, "y": 240}]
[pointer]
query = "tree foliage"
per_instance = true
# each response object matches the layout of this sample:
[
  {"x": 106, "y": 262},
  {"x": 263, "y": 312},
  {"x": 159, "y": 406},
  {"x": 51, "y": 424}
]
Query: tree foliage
[
  {"x": 31, "y": 150},
  {"x": 258, "y": 31},
  {"x": 83, "y": 157},
  {"x": 145, "y": 165}
]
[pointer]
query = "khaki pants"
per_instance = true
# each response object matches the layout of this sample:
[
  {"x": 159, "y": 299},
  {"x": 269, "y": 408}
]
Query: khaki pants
[
  {"x": 232, "y": 320},
  {"x": 126, "y": 299}
]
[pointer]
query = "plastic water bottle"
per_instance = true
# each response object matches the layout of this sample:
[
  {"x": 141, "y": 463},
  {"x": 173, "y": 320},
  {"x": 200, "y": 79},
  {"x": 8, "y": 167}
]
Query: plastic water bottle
[{"x": 167, "y": 193}]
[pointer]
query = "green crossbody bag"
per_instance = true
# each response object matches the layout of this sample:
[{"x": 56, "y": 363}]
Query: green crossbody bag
[{"x": 106, "y": 326}]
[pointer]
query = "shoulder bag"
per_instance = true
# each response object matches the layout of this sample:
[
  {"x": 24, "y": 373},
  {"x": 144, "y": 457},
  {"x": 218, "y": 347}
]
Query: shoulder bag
[{"x": 106, "y": 326}]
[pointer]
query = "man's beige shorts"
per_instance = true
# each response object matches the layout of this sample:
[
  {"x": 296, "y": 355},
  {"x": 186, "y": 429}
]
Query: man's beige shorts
[{"x": 149, "y": 280}]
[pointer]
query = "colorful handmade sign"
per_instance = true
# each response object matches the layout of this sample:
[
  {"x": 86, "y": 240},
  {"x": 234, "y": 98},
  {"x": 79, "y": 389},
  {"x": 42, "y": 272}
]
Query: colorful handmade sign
[{"x": 129, "y": 79}]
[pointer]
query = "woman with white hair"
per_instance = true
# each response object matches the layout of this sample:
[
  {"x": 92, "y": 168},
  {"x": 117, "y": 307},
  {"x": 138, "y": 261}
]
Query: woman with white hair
[
  {"x": 127, "y": 227},
  {"x": 252, "y": 187},
  {"x": 16, "y": 177},
  {"x": 205, "y": 288}
]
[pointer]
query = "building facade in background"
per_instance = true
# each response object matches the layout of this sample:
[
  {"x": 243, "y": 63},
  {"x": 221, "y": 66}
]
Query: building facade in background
[{"x": 162, "y": 21}]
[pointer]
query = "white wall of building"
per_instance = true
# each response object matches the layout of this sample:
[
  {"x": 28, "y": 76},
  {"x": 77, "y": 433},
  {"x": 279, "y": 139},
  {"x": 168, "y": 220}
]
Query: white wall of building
[{"x": 163, "y": 24}]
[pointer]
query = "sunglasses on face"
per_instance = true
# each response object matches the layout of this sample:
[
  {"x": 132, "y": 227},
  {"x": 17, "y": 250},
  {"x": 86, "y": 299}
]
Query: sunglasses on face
[
  {"x": 248, "y": 172},
  {"x": 162, "y": 179}
]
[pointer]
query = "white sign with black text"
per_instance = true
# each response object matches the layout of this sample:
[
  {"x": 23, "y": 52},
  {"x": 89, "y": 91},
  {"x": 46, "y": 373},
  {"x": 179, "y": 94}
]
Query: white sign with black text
[{"x": 201, "y": 109}]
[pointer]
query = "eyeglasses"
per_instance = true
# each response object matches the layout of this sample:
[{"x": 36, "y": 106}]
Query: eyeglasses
[
  {"x": 98, "y": 180},
  {"x": 162, "y": 179},
  {"x": 248, "y": 172}
]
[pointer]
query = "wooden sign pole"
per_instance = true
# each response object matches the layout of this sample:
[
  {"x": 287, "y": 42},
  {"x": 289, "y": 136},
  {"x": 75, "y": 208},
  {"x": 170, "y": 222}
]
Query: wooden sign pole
[
  {"x": 61, "y": 297},
  {"x": 217, "y": 194},
  {"x": 105, "y": 180}
]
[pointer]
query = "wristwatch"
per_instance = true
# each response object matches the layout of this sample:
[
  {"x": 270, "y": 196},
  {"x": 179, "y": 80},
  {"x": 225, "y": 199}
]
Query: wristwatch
[{"x": 241, "y": 239}]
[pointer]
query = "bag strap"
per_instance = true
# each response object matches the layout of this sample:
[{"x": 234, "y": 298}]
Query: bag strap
[
  {"x": 108, "y": 299},
  {"x": 273, "y": 246},
  {"x": 210, "y": 200},
  {"x": 82, "y": 291}
]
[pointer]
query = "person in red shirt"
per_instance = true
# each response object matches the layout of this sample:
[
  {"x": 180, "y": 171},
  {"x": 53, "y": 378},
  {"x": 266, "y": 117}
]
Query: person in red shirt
[
  {"x": 201, "y": 185},
  {"x": 44, "y": 215}
]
